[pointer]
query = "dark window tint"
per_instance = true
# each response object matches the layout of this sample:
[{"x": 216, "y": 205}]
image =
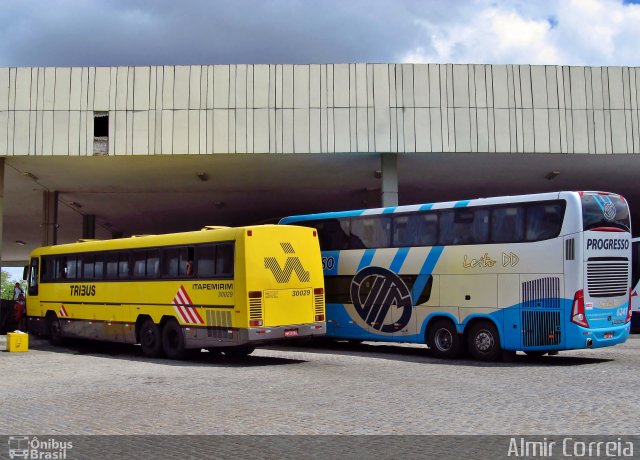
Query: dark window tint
[
  {"x": 124, "y": 268},
  {"x": 48, "y": 268},
  {"x": 33, "y": 277},
  {"x": 604, "y": 211},
  {"x": 185, "y": 262},
  {"x": 370, "y": 232},
  {"x": 333, "y": 234},
  {"x": 206, "y": 260},
  {"x": 170, "y": 263},
  {"x": 507, "y": 224},
  {"x": 464, "y": 226},
  {"x": 153, "y": 263},
  {"x": 99, "y": 266},
  {"x": 224, "y": 259},
  {"x": 415, "y": 230},
  {"x": 544, "y": 221},
  {"x": 88, "y": 269},
  {"x": 112, "y": 265},
  {"x": 139, "y": 264}
]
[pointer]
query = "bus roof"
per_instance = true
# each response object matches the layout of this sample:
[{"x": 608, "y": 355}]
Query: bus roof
[
  {"x": 204, "y": 235},
  {"x": 429, "y": 206}
]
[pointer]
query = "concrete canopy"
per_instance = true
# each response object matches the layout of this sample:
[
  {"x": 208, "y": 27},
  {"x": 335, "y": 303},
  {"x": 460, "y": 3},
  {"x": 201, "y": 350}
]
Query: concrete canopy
[{"x": 160, "y": 194}]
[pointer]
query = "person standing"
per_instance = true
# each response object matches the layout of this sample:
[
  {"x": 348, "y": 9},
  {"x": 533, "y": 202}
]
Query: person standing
[{"x": 19, "y": 307}]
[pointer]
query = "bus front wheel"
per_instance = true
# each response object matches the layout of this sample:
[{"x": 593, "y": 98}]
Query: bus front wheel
[
  {"x": 484, "y": 341},
  {"x": 151, "y": 339},
  {"x": 173, "y": 340},
  {"x": 443, "y": 339},
  {"x": 55, "y": 330}
]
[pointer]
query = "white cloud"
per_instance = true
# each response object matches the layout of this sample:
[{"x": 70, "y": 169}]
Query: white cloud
[{"x": 569, "y": 32}]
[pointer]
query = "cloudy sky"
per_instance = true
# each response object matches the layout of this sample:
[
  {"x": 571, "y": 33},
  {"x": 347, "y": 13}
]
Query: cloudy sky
[{"x": 152, "y": 32}]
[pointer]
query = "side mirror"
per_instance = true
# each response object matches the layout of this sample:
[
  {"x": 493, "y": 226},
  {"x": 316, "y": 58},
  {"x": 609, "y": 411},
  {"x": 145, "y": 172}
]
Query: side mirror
[{"x": 25, "y": 272}]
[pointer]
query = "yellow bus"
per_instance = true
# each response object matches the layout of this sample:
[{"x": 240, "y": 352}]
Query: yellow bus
[{"x": 223, "y": 289}]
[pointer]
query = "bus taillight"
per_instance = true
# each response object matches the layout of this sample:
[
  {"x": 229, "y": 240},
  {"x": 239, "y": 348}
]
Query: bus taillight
[
  {"x": 577, "y": 311},
  {"x": 255, "y": 323}
]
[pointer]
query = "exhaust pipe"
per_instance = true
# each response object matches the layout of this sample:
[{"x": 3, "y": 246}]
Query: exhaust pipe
[{"x": 589, "y": 342}]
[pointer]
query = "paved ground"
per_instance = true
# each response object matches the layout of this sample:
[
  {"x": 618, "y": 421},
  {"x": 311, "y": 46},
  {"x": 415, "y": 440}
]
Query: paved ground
[{"x": 89, "y": 388}]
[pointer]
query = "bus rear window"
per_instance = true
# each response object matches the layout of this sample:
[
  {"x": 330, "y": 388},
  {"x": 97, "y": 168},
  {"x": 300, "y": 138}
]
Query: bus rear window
[{"x": 604, "y": 211}]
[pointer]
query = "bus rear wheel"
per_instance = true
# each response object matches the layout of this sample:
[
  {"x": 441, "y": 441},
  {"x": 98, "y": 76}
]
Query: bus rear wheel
[
  {"x": 55, "y": 330},
  {"x": 151, "y": 339},
  {"x": 484, "y": 341},
  {"x": 173, "y": 340},
  {"x": 443, "y": 339}
]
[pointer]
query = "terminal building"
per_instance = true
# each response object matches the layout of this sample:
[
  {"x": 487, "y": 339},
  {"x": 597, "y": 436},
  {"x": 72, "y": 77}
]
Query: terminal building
[{"x": 103, "y": 152}]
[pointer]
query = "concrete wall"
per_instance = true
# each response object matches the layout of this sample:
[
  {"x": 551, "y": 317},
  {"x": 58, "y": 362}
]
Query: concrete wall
[{"x": 321, "y": 108}]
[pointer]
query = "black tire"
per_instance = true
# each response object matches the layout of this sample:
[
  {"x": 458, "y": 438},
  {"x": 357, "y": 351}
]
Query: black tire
[
  {"x": 238, "y": 352},
  {"x": 484, "y": 341},
  {"x": 443, "y": 339},
  {"x": 151, "y": 339},
  {"x": 54, "y": 329},
  {"x": 173, "y": 340}
]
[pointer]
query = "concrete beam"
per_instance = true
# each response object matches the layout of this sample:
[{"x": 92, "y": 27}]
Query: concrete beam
[
  {"x": 389, "y": 167},
  {"x": 49, "y": 218}
]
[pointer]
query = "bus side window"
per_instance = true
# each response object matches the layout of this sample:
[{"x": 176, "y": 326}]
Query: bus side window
[
  {"x": 153, "y": 263},
  {"x": 206, "y": 260},
  {"x": 112, "y": 265},
  {"x": 139, "y": 264},
  {"x": 33, "y": 277},
  {"x": 123, "y": 265},
  {"x": 170, "y": 263},
  {"x": 99, "y": 266},
  {"x": 370, "y": 232},
  {"x": 333, "y": 234},
  {"x": 186, "y": 262},
  {"x": 544, "y": 221},
  {"x": 415, "y": 230},
  {"x": 507, "y": 224},
  {"x": 88, "y": 266},
  {"x": 224, "y": 260}
]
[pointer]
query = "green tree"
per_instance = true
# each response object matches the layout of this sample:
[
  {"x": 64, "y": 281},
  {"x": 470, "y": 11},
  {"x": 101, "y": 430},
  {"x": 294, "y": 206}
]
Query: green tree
[{"x": 7, "y": 285}]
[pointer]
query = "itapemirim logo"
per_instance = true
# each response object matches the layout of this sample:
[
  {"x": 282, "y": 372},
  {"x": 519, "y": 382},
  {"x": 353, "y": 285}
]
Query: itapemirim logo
[
  {"x": 292, "y": 265},
  {"x": 32, "y": 448}
]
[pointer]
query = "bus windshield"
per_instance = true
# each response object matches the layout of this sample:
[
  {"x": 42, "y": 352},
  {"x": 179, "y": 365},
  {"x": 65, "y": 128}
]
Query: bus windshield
[{"x": 604, "y": 211}]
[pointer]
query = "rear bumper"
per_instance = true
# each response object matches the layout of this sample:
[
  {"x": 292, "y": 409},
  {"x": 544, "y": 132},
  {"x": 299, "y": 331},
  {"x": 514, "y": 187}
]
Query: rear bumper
[
  {"x": 202, "y": 337},
  {"x": 580, "y": 337}
]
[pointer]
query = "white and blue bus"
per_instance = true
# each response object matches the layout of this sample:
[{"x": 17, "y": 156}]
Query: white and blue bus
[{"x": 535, "y": 273}]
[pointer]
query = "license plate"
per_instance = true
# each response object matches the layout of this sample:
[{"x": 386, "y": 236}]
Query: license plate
[
  {"x": 608, "y": 335},
  {"x": 290, "y": 332}
]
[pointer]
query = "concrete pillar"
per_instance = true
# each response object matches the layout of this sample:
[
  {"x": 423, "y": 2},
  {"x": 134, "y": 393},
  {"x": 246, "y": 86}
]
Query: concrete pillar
[
  {"x": 89, "y": 227},
  {"x": 389, "y": 167},
  {"x": 1, "y": 204},
  {"x": 49, "y": 218}
]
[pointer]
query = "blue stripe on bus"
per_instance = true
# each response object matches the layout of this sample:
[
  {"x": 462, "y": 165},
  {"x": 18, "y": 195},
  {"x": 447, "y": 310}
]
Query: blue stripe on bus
[
  {"x": 390, "y": 210},
  {"x": 461, "y": 204},
  {"x": 324, "y": 215},
  {"x": 425, "y": 272},
  {"x": 399, "y": 259},
  {"x": 367, "y": 257},
  {"x": 426, "y": 207}
]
